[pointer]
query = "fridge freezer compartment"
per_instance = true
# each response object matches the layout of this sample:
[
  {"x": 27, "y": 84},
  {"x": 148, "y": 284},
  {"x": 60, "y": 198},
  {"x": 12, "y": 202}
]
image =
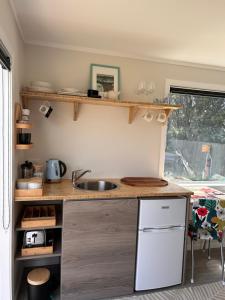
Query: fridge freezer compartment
[
  {"x": 162, "y": 212},
  {"x": 159, "y": 258}
]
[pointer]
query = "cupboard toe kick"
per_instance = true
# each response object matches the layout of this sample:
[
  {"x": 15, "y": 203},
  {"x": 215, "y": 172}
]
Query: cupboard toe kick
[{"x": 99, "y": 245}]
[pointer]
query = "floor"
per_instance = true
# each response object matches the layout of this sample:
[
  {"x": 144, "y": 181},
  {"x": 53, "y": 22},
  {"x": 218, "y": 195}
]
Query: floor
[{"x": 206, "y": 271}]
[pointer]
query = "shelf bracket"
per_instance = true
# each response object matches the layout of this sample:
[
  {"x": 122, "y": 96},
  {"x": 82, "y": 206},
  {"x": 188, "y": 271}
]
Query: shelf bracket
[
  {"x": 132, "y": 113},
  {"x": 167, "y": 112},
  {"x": 75, "y": 111},
  {"x": 25, "y": 102},
  {"x": 18, "y": 111}
]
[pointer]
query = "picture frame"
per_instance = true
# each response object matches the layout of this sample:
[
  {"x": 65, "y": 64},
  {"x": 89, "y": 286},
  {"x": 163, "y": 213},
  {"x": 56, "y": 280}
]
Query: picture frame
[{"x": 105, "y": 79}]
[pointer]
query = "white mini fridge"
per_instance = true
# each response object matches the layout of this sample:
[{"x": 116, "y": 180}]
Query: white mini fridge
[{"x": 160, "y": 243}]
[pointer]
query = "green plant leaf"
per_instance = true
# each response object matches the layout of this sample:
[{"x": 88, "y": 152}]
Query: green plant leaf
[{"x": 210, "y": 204}]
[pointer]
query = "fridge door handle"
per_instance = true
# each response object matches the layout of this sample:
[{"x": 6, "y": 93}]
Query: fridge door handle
[{"x": 163, "y": 229}]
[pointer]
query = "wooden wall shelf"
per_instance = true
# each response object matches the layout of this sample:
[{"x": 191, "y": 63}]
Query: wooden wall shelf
[
  {"x": 58, "y": 225},
  {"x": 24, "y": 146},
  {"x": 19, "y": 127},
  {"x": 23, "y": 125},
  {"x": 56, "y": 252},
  {"x": 132, "y": 106}
]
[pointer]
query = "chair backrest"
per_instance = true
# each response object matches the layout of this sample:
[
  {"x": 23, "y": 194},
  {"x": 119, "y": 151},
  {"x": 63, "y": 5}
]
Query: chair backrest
[{"x": 208, "y": 216}]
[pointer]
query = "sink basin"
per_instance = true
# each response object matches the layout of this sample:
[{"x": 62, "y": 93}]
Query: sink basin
[{"x": 99, "y": 185}]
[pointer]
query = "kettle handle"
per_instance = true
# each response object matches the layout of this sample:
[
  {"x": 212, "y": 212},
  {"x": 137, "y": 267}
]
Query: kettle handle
[{"x": 63, "y": 168}]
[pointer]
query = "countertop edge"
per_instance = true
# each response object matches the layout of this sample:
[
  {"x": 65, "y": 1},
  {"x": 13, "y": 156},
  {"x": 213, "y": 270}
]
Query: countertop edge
[{"x": 64, "y": 192}]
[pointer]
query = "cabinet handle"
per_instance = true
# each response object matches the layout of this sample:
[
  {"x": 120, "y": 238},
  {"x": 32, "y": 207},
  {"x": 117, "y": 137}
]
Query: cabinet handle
[{"x": 171, "y": 227}]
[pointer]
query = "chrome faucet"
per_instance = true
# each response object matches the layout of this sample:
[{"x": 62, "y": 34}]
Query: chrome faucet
[{"x": 77, "y": 174}]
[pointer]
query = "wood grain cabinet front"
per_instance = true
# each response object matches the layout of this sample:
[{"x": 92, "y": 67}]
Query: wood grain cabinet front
[{"x": 99, "y": 247}]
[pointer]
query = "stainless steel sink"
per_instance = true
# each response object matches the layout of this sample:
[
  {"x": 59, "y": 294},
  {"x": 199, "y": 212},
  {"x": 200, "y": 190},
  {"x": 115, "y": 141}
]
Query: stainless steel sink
[{"x": 99, "y": 185}]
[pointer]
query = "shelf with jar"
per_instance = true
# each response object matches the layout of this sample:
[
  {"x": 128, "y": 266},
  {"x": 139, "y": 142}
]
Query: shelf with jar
[
  {"x": 30, "y": 181},
  {"x": 38, "y": 242},
  {"x": 22, "y": 128}
]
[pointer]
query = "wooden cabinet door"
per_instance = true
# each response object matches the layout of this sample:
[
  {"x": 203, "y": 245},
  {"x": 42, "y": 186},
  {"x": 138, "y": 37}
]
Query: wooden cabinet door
[{"x": 99, "y": 248}]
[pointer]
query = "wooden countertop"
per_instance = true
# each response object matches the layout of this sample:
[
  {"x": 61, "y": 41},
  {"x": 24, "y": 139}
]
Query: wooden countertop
[{"x": 65, "y": 191}]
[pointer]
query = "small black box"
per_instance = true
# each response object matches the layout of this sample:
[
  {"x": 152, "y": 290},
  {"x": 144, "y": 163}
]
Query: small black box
[{"x": 93, "y": 94}]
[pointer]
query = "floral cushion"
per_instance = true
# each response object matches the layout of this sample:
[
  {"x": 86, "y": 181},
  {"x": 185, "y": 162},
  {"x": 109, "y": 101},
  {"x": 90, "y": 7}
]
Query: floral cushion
[{"x": 208, "y": 217}]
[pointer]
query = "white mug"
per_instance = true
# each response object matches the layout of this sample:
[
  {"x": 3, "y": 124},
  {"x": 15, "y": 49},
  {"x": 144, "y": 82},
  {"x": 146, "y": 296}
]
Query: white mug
[
  {"x": 113, "y": 95},
  {"x": 45, "y": 110},
  {"x": 141, "y": 87},
  {"x": 148, "y": 116},
  {"x": 162, "y": 117},
  {"x": 25, "y": 112}
]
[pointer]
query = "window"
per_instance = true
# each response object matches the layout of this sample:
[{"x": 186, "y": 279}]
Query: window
[
  {"x": 195, "y": 148},
  {"x": 5, "y": 177},
  {"x": 5, "y": 137}
]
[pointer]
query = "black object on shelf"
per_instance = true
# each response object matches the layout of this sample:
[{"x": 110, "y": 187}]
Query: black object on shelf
[
  {"x": 27, "y": 169},
  {"x": 93, "y": 93},
  {"x": 24, "y": 138},
  {"x": 38, "y": 284}
]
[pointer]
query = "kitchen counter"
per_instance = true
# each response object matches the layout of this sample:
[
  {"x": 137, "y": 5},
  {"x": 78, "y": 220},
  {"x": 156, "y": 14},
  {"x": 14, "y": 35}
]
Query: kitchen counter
[{"x": 65, "y": 191}]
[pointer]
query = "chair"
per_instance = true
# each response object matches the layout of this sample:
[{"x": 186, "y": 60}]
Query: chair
[{"x": 208, "y": 223}]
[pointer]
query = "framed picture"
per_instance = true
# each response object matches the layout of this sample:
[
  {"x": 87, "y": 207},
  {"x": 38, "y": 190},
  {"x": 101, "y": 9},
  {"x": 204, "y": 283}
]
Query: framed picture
[{"x": 106, "y": 79}]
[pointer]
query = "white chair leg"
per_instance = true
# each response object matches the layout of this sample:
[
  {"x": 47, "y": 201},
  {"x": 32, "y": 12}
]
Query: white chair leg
[
  {"x": 204, "y": 246},
  {"x": 209, "y": 257},
  {"x": 192, "y": 261},
  {"x": 222, "y": 261}
]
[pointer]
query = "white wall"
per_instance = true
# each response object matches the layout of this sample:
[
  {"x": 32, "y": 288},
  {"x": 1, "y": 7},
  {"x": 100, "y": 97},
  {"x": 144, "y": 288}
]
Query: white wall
[
  {"x": 10, "y": 36},
  {"x": 101, "y": 139}
]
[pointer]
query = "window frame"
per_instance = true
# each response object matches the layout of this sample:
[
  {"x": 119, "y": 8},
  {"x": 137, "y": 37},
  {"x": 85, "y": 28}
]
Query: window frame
[
  {"x": 163, "y": 139},
  {"x": 6, "y": 190}
]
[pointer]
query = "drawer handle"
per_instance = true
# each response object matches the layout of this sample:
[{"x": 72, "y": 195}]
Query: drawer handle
[
  {"x": 163, "y": 228},
  {"x": 165, "y": 207}
]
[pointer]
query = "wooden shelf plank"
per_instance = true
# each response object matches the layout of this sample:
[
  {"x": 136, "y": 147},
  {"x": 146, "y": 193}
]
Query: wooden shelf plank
[
  {"x": 56, "y": 252},
  {"x": 132, "y": 106},
  {"x": 23, "y": 125},
  {"x": 24, "y": 146},
  {"x": 59, "y": 225},
  {"x": 40, "y": 96}
]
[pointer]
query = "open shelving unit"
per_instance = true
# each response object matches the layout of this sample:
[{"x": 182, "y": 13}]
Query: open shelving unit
[
  {"x": 132, "y": 106},
  {"x": 52, "y": 260},
  {"x": 19, "y": 127},
  {"x": 23, "y": 146}
]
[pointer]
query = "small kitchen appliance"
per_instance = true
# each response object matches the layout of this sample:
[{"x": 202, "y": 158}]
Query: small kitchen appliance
[
  {"x": 27, "y": 169},
  {"x": 55, "y": 170},
  {"x": 34, "y": 238}
]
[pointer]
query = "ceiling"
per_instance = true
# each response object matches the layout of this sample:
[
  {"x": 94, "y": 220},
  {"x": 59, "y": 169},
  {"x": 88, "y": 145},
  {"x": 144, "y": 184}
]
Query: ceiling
[{"x": 183, "y": 31}]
